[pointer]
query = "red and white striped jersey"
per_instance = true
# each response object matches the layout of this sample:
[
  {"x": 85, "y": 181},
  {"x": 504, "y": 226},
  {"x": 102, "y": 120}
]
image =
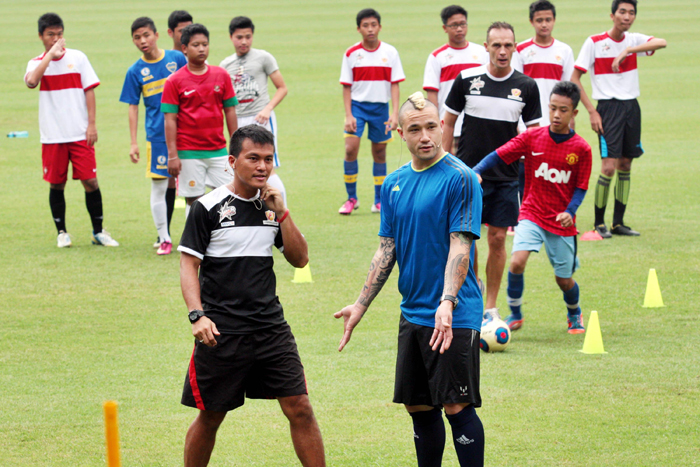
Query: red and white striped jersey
[
  {"x": 63, "y": 114},
  {"x": 443, "y": 66},
  {"x": 370, "y": 73},
  {"x": 598, "y": 52},
  {"x": 547, "y": 66}
]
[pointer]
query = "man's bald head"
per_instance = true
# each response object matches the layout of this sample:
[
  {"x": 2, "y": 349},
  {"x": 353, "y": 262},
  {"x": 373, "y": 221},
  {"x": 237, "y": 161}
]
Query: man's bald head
[{"x": 416, "y": 101}]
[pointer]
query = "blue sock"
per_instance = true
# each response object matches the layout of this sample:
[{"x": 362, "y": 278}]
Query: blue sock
[
  {"x": 468, "y": 435},
  {"x": 516, "y": 285},
  {"x": 429, "y": 437},
  {"x": 571, "y": 299},
  {"x": 379, "y": 172},
  {"x": 351, "y": 169}
]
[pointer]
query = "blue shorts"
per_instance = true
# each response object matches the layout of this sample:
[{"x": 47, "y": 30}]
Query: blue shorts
[
  {"x": 157, "y": 160},
  {"x": 374, "y": 114},
  {"x": 560, "y": 250}
]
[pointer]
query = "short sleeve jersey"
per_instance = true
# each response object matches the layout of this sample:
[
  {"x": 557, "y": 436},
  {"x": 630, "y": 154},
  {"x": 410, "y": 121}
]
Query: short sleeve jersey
[
  {"x": 63, "y": 116},
  {"x": 370, "y": 73},
  {"x": 419, "y": 211},
  {"x": 147, "y": 78},
  {"x": 249, "y": 76},
  {"x": 234, "y": 240},
  {"x": 199, "y": 101},
  {"x": 492, "y": 107},
  {"x": 547, "y": 66},
  {"x": 553, "y": 171},
  {"x": 597, "y": 55}
]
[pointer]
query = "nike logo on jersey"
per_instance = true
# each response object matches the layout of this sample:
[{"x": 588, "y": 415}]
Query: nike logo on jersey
[
  {"x": 537, "y": 153},
  {"x": 187, "y": 93},
  {"x": 553, "y": 175}
]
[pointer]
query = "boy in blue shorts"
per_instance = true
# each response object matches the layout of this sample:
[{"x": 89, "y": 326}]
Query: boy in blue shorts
[
  {"x": 370, "y": 75},
  {"x": 147, "y": 77}
]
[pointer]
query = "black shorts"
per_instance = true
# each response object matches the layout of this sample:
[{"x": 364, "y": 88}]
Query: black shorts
[
  {"x": 501, "y": 203},
  {"x": 622, "y": 129},
  {"x": 263, "y": 365},
  {"x": 424, "y": 377}
]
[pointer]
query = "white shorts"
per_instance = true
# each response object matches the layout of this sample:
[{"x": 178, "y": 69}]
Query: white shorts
[
  {"x": 271, "y": 125},
  {"x": 198, "y": 173}
]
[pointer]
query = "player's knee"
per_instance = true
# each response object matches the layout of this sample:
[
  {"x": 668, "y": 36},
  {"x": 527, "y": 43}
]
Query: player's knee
[
  {"x": 607, "y": 170},
  {"x": 210, "y": 420},
  {"x": 497, "y": 238},
  {"x": 517, "y": 265},
  {"x": 297, "y": 409},
  {"x": 624, "y": 164},
  {"x": 565, "y": 284},
  {"x": 90, "y": 185}
]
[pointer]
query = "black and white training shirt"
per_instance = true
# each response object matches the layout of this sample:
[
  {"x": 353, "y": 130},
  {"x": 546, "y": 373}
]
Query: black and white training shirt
[
  {"x": 492, "y": 107},
  {"x": 234, "y": 237}
]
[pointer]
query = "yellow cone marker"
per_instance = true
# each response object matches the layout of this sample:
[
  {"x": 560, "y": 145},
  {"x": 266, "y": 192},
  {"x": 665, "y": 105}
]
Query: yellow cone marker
[
  {"x": 652, "y": 298},
  {"x": 112, "y": 433},
  {"x": 302, "y": 275},
  {"x": 180, "y": 203},
  {"x": 593, "y": 342}
]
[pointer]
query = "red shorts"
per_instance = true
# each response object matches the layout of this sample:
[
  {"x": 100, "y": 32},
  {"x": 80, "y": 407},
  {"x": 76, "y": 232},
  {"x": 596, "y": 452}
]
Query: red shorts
[{"x": 55, "y": 158}]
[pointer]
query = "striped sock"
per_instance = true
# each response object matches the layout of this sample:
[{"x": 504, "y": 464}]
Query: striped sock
[
  {"x": 602, "y": 190},
  {"x": 571, "y": 299},
  {"x": 379, "y": 172},
  {"x": 622, "y": 194},
  {"x": 516, "y": 285},
  {"x": 351, "y": 169}
]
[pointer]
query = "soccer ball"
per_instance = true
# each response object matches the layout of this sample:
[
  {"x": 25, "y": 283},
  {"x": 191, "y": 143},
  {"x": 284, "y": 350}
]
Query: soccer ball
[{"x": 495, "y": 336}]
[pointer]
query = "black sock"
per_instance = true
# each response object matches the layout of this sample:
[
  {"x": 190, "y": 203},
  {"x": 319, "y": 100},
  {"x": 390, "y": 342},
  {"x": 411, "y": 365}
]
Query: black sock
[
  {"x": 57, "y": 201},
  {"x": 618, "y": 213},
  {"x": 93, "y": 201},
  {"x": 468, "y": 435},
  {"x": 170, "y": 203},
  {"x": 429, "y": 437}
]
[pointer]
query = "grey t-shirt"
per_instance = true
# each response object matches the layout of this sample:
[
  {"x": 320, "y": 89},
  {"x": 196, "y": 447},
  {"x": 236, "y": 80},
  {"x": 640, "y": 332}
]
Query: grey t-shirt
[{"x": 249, "y": 75}]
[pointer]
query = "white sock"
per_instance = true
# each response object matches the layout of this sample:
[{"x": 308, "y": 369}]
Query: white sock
[
  {"x": 276, "y": 182},
  {"x": 159, "y": 208}
]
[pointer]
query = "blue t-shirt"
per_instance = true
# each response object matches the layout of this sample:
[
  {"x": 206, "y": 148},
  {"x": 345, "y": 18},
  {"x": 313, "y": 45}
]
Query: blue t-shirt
[
  {"x": 148, "y": 78},
  {"x": 419, "y": 211}
]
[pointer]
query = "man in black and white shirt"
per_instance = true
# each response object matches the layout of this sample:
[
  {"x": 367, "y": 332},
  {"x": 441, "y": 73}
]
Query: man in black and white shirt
[
  {"x": 493, "y": 98},
  {"x": 244, "y": 347}
]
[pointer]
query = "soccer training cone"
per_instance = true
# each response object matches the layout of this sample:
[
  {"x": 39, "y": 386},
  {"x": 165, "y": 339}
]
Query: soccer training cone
[
  {"x": 591, "y": 236},
  {"x": 593, "y": 342},
  {"x": 302, "y": 275},
  {"x": 180, "y": 203},
  {"x": 652, "y": 299}
]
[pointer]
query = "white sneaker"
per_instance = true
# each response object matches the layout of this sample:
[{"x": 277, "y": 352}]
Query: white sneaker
[
  {"x": 103, "y": 238},
  {"x": 64, "y": 239},
  {"x": 490, "y": 314}
]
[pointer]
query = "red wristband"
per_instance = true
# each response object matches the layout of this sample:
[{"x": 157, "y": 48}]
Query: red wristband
[{"x": 284, "y": 216}]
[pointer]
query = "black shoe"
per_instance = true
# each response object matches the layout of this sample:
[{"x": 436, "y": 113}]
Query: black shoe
[
  {"x": 603, "y": 231},
  {"x": 621, "y": 229}
]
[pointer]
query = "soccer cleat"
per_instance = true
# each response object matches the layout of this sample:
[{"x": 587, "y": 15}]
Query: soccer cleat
[
  {"x": 621, "y": 229},
  {"x": 63, "y": 239},
  {"x": 349, "y": 206},
  {"x": 576, "y": 324},
  {"x": 165, "y": 248},
  {"x": 489, "y": 315},
  {"x": 603, "y": 231},
  {"x": 376, "y": 207},
  {"x": 157, "y": 243},
  {"x": 103, "y": 238},
  {"x": 514, "y": 323}
]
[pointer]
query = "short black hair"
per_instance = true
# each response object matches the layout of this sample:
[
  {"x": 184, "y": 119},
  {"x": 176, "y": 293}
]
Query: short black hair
[
  {"x": 257, "y": 134},
  {"x": 616, "y": 4},
  {"x": 192, "y": 29},
  {"x": 368, "y": 13},
  {"x": 177, "y": 17},
  {"x": 449, "y": 11},
  {"x": 143, "y": 22},
  {"x": 240, "y": 22},
  {"x": 48, "y": 20},
  {"x": 567, "y": 89},
  {"x": 499, "y": 25},
  {"x": 542, "y": 5}
]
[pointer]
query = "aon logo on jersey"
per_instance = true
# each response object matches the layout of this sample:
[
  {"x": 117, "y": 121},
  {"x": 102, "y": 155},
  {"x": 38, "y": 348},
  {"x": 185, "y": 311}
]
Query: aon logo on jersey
[{"x": 553, "y": 175}]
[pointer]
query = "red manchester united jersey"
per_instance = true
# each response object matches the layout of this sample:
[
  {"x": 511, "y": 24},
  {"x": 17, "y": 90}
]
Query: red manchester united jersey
[{"x": 552, "y": 172}]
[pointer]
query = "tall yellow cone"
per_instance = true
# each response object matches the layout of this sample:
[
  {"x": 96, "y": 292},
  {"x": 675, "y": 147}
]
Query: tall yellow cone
[
  {"x": 112, "y": 434},
  {"x": 302, "y": 275},
  {"x": 652, "y": 298},
  {"x": 593, "y": 342}
]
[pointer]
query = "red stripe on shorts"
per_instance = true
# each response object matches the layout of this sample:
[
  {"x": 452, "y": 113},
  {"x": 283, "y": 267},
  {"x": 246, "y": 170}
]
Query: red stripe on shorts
[{"x": 193, "y": 382}]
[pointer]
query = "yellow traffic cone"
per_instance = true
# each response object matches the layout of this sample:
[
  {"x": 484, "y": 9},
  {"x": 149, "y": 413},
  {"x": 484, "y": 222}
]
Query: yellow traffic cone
[
  {"x": 180, "y": 203},
  {"x": 652, "y": 298},
  {"x": 302, "y": 275},
  {"x": 593, "y": 342}
]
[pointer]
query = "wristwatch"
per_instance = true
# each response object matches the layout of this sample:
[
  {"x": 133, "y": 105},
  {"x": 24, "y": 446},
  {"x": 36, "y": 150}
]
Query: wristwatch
[
  {"x": 194, "y": 315},
  {"x": 451, "y": 298}
]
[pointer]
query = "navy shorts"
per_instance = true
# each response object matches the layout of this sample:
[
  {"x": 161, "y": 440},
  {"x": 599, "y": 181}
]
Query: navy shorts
[
  {"x": 375, "y": 115},
  {"x": 501, "y": 203},
  {"x": 622, "y": 129}
]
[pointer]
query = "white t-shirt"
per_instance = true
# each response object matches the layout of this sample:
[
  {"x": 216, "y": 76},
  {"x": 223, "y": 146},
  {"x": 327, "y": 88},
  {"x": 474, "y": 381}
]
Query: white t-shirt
[
  {"x": 63, "y": 114},
  {"x": 370, "y": 73},
  {"x": 599, "y": 52}
]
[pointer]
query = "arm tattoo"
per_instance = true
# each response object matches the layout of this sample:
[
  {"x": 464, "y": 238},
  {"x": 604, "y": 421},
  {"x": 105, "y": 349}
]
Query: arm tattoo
[
  {"x": 379, "y": 270},
  {"x": 457, "y": 266}
]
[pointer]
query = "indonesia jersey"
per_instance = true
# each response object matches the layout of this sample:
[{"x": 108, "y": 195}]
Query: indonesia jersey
[
  {"x": 63, "y": 116},
  {"x": 597, "y": 54},
  {"x": 420, "y": 208},
  {"x": 147, "y": 78},
  {"x": 198, "y": 101},
  {"x": 370, "y": 73},
  {"x": 552, "y": 173},
  {"x": 547, "y": 66},
  {"x": 443, "y": 66}
]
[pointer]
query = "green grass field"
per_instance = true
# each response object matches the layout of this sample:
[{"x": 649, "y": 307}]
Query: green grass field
[{"x": 88, "y": 324}]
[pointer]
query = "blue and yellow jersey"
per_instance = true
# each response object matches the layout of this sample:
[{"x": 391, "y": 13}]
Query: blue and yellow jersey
[{"x": 148, "y": 78}]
